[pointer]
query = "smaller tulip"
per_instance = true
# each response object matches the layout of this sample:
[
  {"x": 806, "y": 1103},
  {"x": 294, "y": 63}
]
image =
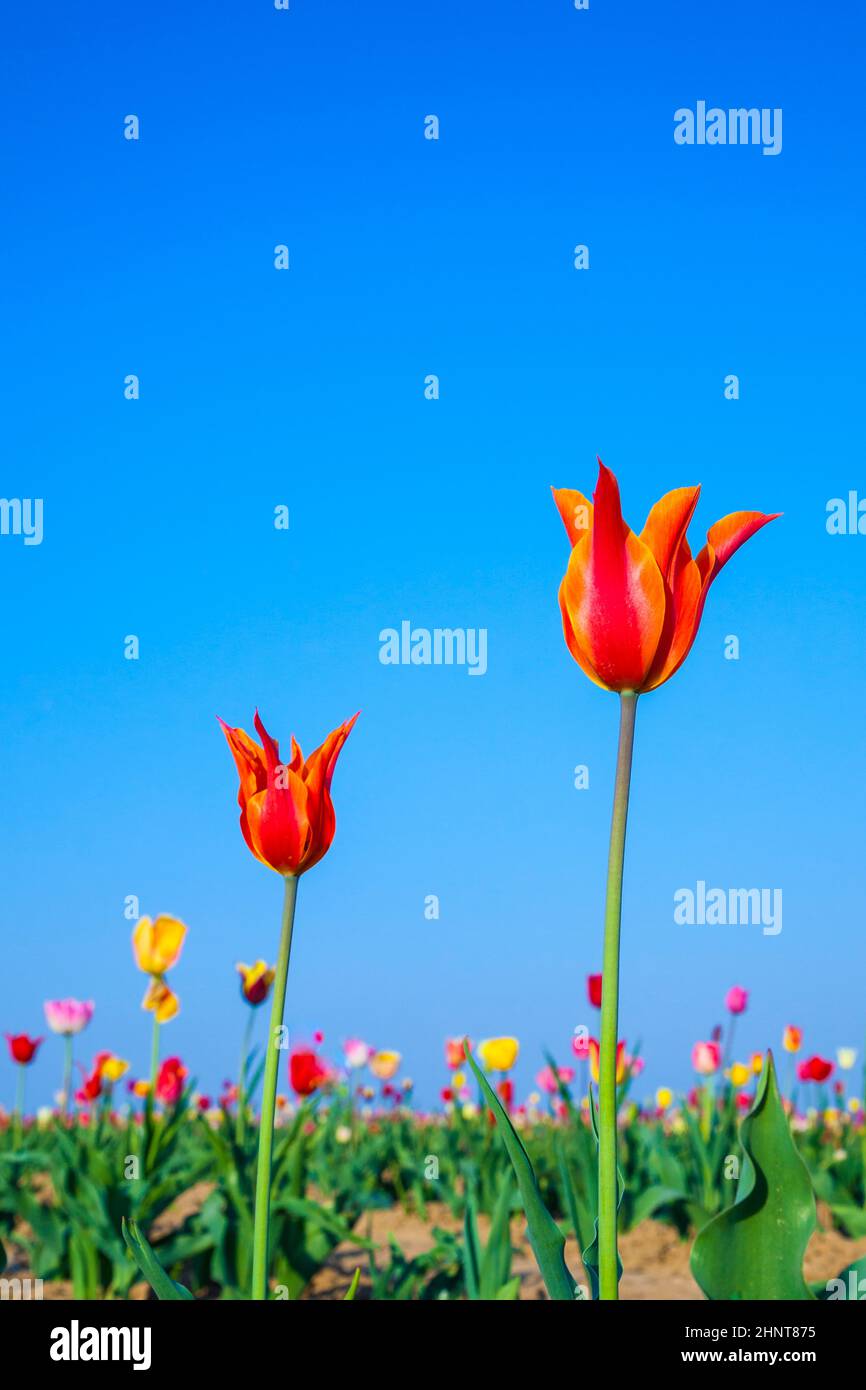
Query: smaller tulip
[
  {"x": 547, "y": 1078},
  {"x": 505, "y": 1091},
  {"x": 740, "y": 1075},
  {"x": 499, "y": 1054},
  {"x": 846, "y": 1057},
  {"x": 22, "y": 1048},
  {"x": 141, "y": 1089},
  {"x": 706, "y": 1058},
  {"x": 454, "y": 1053},
  {"x": 792, "y": 1038},
  {"x": 459, "y": 1080},
  {"x": 157, "y": 945},
  {"x": 385, "y": 1065},
  {"x": 113, "y": 1068},
  {"x": 664, "y": 1097},
  {"x": 256, "y": 981},
  {"x": 169, "y": 1082},
  {"x": 815, "y": 1069},
  {"x": 580, "y": 1046},
  {"x": 161, "y": 999},
  {"x": 757, "y": 1062},
  {"x": 736, "y": 1000},
  {"x": 593, "y": 990},
  {"x": 356, "y": 1053},
  {"x": 307, "y": 1071},
  {"x": 68, "y": 1016},
  {"x": 594, "y": 1061}
]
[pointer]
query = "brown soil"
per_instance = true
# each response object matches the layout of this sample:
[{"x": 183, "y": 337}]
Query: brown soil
[{"x": 655, "y": 1260}]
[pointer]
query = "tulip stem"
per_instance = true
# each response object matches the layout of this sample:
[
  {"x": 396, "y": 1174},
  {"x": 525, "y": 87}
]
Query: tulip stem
[
  {"x": 67, "y": 1074},
  {"x": 269, "y": 1095},
  {"x": 608, "y": 1273}
]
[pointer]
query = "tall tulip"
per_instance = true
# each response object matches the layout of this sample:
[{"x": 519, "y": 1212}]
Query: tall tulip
[
  {"x": 288, "y": 822},
  {"x": 631, "y": 607},
  {"x": 67, "y": 1017}
]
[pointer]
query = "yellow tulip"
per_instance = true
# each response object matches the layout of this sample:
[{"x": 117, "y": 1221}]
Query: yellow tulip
[
  {"x": 855, "y": 1105},
  {"x": 458, "y": 1080},
  {"x": 113, "y": 1068},
  {"x": 141, "y": 1088},
  {"x": 846, "y": 1057},
  {"x": 161, "y": 1000},
  {"x": 385, "y": 1065},
  {"x": 757, "y": 1062},
  {"x": 499, "y": 1054},
  {"x": 740, "y": 1074},
  {"x": 157, "y": 945},
  {"x": 663, "y": 1097}
]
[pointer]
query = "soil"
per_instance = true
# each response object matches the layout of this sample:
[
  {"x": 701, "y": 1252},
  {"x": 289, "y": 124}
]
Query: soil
[{"x": 655, "y": 1259}]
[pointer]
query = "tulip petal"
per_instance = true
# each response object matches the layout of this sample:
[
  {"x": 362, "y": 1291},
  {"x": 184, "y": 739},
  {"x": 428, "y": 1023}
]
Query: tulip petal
[
  {"x": 614, "y": 594},
  {"x": 666, "y": 527},
  {"x": 575, "y": 510}
]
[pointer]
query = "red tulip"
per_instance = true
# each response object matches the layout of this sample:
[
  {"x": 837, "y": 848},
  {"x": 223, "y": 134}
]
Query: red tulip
[
  {"x": 169, "y": 1082},
  {"x": 593, "y": 989},
  {"x": 631, "y": 606},
  {"x": 22, "y": 1049},
  {"x": 505, "y": 1091},
  {"x": 287, "y": 817},
  {"x": 307, "y": 1071},
  {"x": 815, "y": 1069}
]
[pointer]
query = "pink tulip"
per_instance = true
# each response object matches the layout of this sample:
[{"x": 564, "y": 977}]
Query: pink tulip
[
  {"x": 546, "y": 1079},
  {"x": 706, "y": 1058},
  {"x": 68, "y": 1016},
  {"x": 356, "y": 1053},
  {"x": 736, "y": 1000}
]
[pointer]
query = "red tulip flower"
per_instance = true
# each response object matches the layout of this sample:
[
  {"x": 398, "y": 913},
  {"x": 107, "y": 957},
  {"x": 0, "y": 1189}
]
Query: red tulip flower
[
  {"x": 169, "y": 1082},
  {"x": 631, "y": 605},
  {"x": 815, "y": 1069},
  {"x": 287, "y": 817},
  {"x": 307, "y": 1071},
  {"x": 593, "y": 990},
  {"x": 22, "y": 1049}
]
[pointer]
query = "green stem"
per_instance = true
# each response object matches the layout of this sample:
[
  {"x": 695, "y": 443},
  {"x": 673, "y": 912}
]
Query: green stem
[
  {"x": 607, "y": 1174},
  {"x": 269, "y": 1096},
  {"x": 245, "y": 1049},
  {"x": 67, "y": 1074},
  {"x": 19, "y": 1104}
]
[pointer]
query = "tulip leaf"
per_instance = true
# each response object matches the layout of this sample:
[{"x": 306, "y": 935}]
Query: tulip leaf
[
  {"x": 2, "y": 1257},
  {"x": 846, "y": 1285},
  {"x": 545, "y": 1237},
  {"x": 161, "y": 1283},
  {"x": 754, "y": 1249},
  {"x": 349, "y": 1295}
]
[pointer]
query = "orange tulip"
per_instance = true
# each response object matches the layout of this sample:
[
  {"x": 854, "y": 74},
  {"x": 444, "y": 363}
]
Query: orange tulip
[
  {"x": 631, "y": 605},
  {"x": 287, "y": 817}
]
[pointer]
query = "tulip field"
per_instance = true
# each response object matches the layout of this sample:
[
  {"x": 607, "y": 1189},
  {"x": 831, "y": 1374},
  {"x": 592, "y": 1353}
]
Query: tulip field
[
  {"x": 428, "y": 1205},
  {"x": 313, "y": 1173}
]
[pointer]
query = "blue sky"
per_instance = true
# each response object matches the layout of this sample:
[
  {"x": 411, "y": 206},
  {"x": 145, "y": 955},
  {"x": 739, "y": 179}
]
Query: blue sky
[{"x": 306, "y": 388}]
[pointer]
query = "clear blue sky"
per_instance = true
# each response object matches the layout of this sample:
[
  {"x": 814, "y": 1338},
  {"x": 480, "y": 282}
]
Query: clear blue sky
[{"x": 411, "y": 257}]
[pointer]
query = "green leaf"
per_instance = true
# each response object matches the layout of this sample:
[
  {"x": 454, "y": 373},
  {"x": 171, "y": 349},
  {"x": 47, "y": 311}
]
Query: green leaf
[
  {"x": 349, "y": 1296},
  {"x": 852, "y": 1218},
  {"x": 2, "y": 1257},
  {"x": 161, "y": 1283},
  {"x": 755, "y": 1249},
  {"x": 545, "y": 1237}
]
